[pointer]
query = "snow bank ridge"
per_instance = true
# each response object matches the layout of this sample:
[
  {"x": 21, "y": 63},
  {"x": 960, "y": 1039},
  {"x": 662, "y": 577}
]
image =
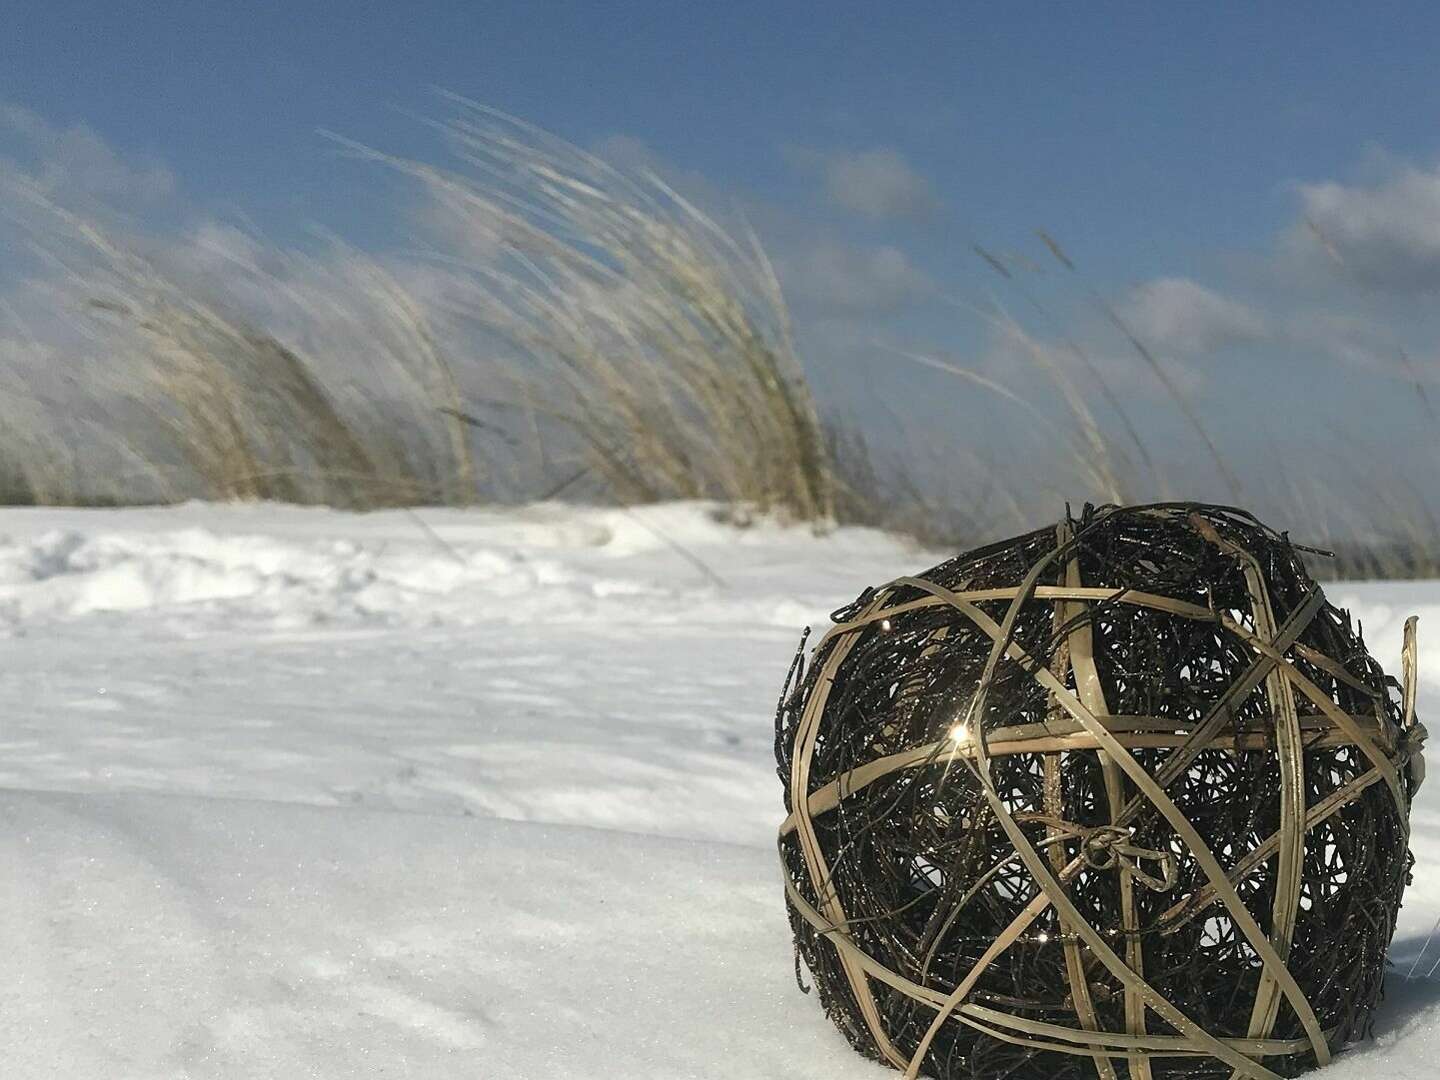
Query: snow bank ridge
[
  {"x": 195, "y": 572},
  {"x": 281, "y": 567}
]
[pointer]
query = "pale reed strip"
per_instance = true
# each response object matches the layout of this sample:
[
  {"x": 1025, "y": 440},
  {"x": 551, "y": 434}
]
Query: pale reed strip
[
  {"x": 828, "y": 797},
  {"x": 1092, "y": 692},
  {"x": 1408, "y": 671},
  {"x": 1414, "y": 732},
  {"x": 805, "y": 737},
  {"x": 1336, "y": 669},
  {"x": 1153, "y": 1046},
  {"x": 1211, "y": 867},
  {"x": 1074, "y": 962},
  {"x": 1289, "y": 753},
  {"x": 1041, "y": 592},
  {"x": 1326, "y": 808},
  {"x": 1342, "y": 720}
]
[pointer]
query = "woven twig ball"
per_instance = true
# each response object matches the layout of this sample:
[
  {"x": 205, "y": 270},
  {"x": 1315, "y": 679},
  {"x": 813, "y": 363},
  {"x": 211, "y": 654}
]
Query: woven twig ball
[{"x": 1124, "y": 796}]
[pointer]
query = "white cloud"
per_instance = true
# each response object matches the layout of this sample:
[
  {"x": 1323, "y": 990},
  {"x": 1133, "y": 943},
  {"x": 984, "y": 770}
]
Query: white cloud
[
  {"x": 633, "y": 156},
  {"x": 213, "y": 243},
  {"x": 75, "y": 159},
  {"x": 1386, "y": 234},
  {"x": 1178, "y": 315},
  {"x": 877, "y": 183},
  {"x": 630, "y": 152},
  {"x": 837, "y": 278},
  {"x": 1353, "y": 339}
]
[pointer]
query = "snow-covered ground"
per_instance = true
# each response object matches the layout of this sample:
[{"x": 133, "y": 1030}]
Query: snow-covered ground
[{"x": 292, "y": 793}]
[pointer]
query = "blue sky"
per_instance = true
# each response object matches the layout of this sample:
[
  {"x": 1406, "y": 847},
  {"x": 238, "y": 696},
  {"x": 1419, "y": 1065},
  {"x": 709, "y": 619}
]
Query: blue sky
[
  {"x": 1174, "y": 149},
  {"x": 1141, "y": 129}
]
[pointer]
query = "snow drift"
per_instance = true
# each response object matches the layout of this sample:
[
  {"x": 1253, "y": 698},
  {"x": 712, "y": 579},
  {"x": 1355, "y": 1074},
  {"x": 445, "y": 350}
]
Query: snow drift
[{"x": 300, "y": 793}]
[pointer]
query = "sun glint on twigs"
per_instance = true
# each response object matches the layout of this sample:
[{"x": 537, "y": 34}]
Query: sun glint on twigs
[{"x": 1122, "y": 797}]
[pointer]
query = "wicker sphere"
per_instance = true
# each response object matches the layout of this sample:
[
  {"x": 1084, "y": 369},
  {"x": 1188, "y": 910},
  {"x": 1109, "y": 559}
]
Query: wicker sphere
[{"x": 1124, "y": 796}]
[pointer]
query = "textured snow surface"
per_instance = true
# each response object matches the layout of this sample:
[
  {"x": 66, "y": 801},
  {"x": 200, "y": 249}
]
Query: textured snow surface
[{"x": 294, "y": 793}]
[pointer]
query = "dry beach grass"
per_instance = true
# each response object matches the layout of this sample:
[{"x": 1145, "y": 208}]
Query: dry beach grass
[{"x": 587, "y": 332}]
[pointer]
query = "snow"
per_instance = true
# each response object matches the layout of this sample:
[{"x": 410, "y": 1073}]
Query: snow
[{"x": 297, "y": 793}]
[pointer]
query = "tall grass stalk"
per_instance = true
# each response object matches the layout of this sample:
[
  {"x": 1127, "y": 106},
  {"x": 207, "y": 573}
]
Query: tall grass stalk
[
  {"x": 625, "y": 339},
  {"x": 238, "y": 413},
  {"x": 658, "y": 339}
]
